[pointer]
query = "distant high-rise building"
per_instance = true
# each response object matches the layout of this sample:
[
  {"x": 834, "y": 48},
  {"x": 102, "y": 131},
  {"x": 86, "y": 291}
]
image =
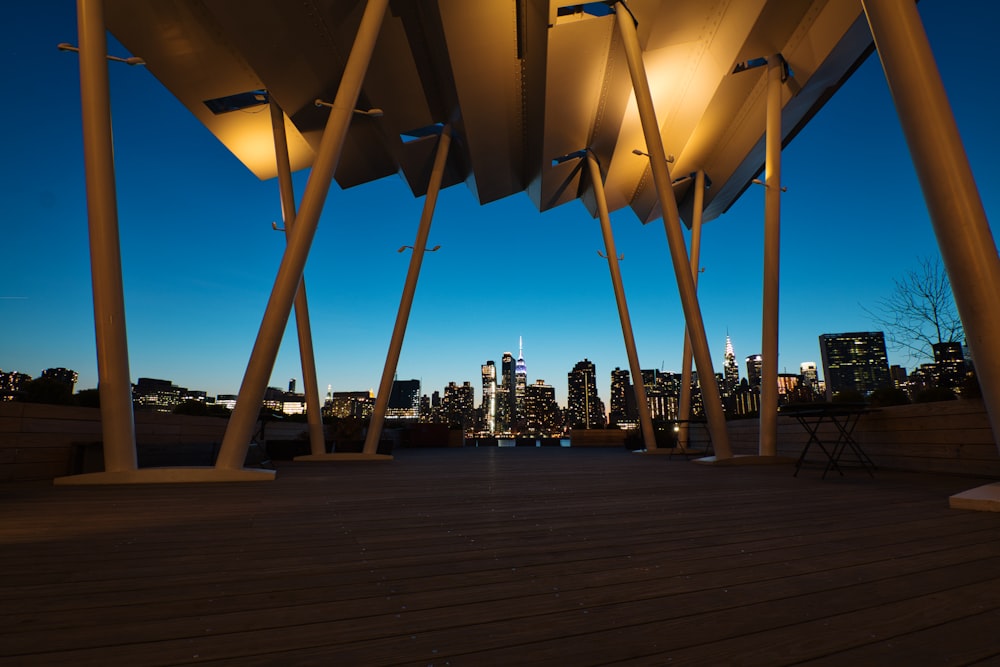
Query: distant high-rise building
[
  {"x": 404, "y": 400},
  {"x": 754, "y": 365},
  {"x": 11, "y": 383},
  {"x": 459, "y": 405},
  {"x": 585, "y": 409},
  {"x": 854, "y": 361},
  {"x": 489, "y": 405},
  {"x": 730, "y": 371},
  {"x": 356, "y": 404},
  {"x": 520, "y": 382},
  {"x": 949, "y": 358},
  {"x": 789, "y": 387},
  {"x": 63, "y": 375},
  {"x": 898, "y": 375},
  {"x": 622, "y": 408},
  {"x": 156, "y": 395},
  {"x": 505, "y": 395},
  {"x": 542, "y": 415},
  {"x": 662, "y": 393},
  {"x": 810, "y": 376},
  {"x": 291, "y": 386}
]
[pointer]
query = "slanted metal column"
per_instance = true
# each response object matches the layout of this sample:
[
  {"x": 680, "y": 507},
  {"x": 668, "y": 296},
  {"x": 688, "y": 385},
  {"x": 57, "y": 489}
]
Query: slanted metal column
[
  {"x": 768, "y": 443},
  {"x": 233, "y": 452},
  {"x": 314, "y": 411},
  {"x": 672, "y": 226},
  {"x": 114, "y": 383},
  {"x": 409, "y": 289},
  {"x": 963, "y": 233},
  {"x": 645, "y": 419},
  {"x": 684, "y": 405}
]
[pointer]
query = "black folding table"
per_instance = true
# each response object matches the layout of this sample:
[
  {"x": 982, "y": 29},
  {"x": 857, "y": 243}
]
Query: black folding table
[{"x": 844, "y": 417}]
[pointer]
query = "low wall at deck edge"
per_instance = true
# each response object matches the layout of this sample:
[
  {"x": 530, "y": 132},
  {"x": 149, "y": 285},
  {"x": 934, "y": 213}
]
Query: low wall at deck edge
[
  {"x": 951, "y": 437},
  {"x": 39, "y": 441}
]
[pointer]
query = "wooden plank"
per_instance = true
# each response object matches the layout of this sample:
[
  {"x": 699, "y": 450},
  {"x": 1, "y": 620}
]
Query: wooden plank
[{"x": 521, "y": 555}]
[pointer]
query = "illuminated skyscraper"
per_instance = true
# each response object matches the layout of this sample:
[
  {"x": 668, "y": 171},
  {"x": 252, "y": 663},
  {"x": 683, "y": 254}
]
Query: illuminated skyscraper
[
  {"x": 505, "y": 395},
  {"x": 541, "y": 410},
  {"x": 585, "y": 409},
  {"x": 63, "y": 375},
  {"x": 949, "y": 360},
  {"x": 854, "y": 361},
  {"x": 754, "y": 365},
  {"x": 730, "y": 371},
  {"x": 459, "y": 405},
  {"x": 404, "y": 400},
  {"x": 810, "y": 377},
  {"x": 489, "y": 406},
  {"x": 520, "y": 383},
  {"x": 622, "y": 402}
]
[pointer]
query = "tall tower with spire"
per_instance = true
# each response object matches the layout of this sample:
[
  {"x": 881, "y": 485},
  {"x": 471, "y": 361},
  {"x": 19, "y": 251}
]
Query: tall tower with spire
[
  {"x": 730, "y": 370},
  {"x": 520, "y": 382}
]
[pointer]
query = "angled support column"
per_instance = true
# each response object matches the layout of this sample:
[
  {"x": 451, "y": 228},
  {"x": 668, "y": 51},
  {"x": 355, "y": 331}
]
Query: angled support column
[
  {"x": 406, "y": 300},
  {"x": 645, "y": 419},
  {"x": 114, "y": 383},
  {"x": 968, "y": 249},
  {"x": 117, "y": 421},
  {"x": 675, "y": 239},
  {"x": 684, "y": 405},
  {"x": 314, "y": 411},
  {"x": 233, "y": 452},
  {"x": 768, "y": 443}
]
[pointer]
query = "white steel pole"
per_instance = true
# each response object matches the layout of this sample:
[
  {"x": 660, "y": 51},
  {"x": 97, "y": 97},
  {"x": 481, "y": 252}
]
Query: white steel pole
[
  {"x": 114, "y": 383},
  {"x": 314, "y": 410},
  {"x": 409, "y": 289},
  {"x": 768, "y": 443},
  {"x": 675, "y": 238},
  {"x": 968, "y": 249},
  {"x": 236, "y": 441},
  {"x": 645, "y": 420},
  {"x": 684, "y": 405}
]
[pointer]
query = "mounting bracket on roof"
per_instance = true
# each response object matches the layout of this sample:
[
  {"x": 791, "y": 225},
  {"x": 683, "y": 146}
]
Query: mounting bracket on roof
[
  {"x": 133, "y": 60},
  {"x": 612, "y": 3},
  {"x": 757, "y": 181},
  {"x": 636, "y": 151},
  {"x": 591, "y": 8},
  {"x": 404, "y": 247},
  {"x": 575, "y": 155},
  {"x": 374, "y": 112},
  {"x": 754, "y": 63},
  {"x": 421, "y": 132}
]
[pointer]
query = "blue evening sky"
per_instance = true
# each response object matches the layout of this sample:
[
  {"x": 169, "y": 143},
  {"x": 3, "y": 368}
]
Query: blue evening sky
[{"x": 200, "y": 256}]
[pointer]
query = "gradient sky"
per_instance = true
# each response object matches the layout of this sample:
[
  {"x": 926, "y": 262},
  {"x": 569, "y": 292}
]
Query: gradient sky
[{"x": 199, "y": 254}]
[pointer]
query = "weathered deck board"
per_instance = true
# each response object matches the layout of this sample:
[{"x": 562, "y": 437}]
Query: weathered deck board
[{"x": 490, "y": 556}]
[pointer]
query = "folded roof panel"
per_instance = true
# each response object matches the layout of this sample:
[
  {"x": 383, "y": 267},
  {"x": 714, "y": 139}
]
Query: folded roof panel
[{"x": 522, "y": 81}]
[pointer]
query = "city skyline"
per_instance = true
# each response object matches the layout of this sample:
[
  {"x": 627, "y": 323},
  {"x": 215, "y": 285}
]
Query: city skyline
[
  {"x": 199, "y": 255},
  {"x": 740, "y": 371}
]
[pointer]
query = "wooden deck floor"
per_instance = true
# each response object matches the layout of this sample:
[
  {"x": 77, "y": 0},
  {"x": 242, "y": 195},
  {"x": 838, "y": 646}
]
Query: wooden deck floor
[{"x": 502, "y": 556}]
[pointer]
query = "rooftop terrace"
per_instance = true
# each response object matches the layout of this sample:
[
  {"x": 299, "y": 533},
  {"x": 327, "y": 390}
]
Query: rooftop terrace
[{"x": 502, "y": 556}]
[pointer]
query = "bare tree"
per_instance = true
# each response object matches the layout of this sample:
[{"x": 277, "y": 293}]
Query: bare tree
[{"x": 920, "y": 311}]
